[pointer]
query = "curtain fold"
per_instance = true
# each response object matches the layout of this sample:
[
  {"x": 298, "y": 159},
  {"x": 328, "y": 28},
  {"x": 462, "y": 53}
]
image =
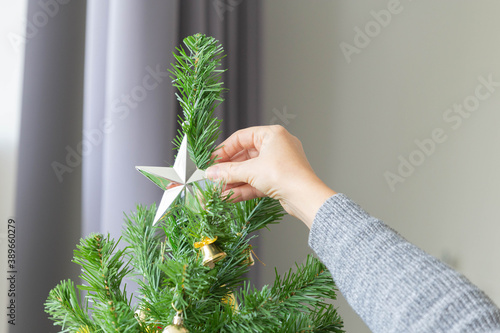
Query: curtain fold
[
  {"x": 48, "y": 200},
  {"x": 97, "y": 101},
  {"x": 94, "y": 119},
  {"x": 138, "y": 109}
]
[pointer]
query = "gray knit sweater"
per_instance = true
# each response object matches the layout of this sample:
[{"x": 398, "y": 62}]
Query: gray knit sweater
[{"x": 393, "y": 285}]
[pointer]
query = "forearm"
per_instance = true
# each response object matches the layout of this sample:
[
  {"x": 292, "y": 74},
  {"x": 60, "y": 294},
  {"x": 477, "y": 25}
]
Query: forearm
[{"x": 393, "y": 285}]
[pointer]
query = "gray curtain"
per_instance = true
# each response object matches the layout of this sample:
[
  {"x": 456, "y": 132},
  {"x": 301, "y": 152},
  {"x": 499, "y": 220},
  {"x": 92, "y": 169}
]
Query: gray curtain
[{"x": 96, "y": 102}]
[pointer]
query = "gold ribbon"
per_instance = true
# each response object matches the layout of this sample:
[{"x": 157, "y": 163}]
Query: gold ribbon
[
  {"x": 256, "y": 255},
  {"x": 205, "y": 241},
  {"x": 178, "y": 311}
]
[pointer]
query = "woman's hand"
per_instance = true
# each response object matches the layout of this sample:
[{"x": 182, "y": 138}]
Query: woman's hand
[{"x": 269, "y": 161}]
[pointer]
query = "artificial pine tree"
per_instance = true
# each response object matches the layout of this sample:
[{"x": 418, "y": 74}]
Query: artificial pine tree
[{"x": 190, "y": 265}]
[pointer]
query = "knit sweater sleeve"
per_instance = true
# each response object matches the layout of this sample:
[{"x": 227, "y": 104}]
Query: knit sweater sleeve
[{"x": 393, "y": 285}]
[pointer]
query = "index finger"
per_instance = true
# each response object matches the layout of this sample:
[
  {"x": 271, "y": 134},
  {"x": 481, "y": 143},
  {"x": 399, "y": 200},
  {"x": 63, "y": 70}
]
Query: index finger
[{"x": 244, "y": 139}]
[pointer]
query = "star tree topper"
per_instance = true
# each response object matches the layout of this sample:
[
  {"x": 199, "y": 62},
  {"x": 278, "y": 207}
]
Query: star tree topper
[{"x": 175, "y": 180}]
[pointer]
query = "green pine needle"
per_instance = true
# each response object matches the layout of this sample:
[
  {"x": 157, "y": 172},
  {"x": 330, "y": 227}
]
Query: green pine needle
[{"x": 197, "y": 77}]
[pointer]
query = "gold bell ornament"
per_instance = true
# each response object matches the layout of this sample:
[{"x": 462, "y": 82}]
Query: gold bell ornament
[
  {"x": 177, "y": 325},
  {"x": 211, "y": 252},
  {"x": 140, "y": 315},
  {"x": 231, "y": 300},
  {"x": 83, "y": 329},
  {"x": 249, "y": 261}
]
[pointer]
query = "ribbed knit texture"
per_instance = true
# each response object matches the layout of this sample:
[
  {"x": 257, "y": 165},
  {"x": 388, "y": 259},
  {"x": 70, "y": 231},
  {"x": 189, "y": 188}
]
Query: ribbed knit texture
[{"x": 393, "y": 285}]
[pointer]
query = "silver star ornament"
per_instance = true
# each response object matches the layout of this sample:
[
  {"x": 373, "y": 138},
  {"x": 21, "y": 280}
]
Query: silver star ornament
[{"x": 176, "y": 180}]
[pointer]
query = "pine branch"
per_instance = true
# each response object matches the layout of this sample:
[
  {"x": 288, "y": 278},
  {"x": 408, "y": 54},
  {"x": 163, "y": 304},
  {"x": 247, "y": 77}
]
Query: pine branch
[
  {"x": 64, "y": 307},
  {"x": 257, "y": 311},
  {"x": 214, "y": 220},
  {"x": 326, "y": 319},
  {"x": 188, "y": 279},
  {"x": 286, "y": 307},
  {"x": 103, "y": 269},
  {"x": 259, "y": 213},
  {"x": 323, "y": 319},
  {"x": 197, "y": 77},
  {"x": 307, "y": 286},
  {"x": 145, "y": 247},
  {"x": 115, "y": 317}
]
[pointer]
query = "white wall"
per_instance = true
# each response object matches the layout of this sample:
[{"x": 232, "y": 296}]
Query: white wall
[
  {"x": 11, "y": 58},
  {"x": 355, "y": 120}
]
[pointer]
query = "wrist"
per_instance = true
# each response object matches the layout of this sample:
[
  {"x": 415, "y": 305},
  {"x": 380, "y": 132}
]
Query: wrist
[{"x": 309, "y": 199}]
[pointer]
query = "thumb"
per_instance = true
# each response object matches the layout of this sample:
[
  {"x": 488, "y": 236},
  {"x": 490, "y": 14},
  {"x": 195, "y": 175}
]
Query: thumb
[{"x": 230, "y": 172}]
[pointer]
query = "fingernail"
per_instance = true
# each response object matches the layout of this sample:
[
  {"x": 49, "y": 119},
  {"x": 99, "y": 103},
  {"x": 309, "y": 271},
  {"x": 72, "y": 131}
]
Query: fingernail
[{"x": 212, "y": 172}]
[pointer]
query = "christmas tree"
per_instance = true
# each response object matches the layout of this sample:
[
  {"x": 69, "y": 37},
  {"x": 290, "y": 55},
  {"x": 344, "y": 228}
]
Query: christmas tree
[{"x": 190, "y": 255}]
